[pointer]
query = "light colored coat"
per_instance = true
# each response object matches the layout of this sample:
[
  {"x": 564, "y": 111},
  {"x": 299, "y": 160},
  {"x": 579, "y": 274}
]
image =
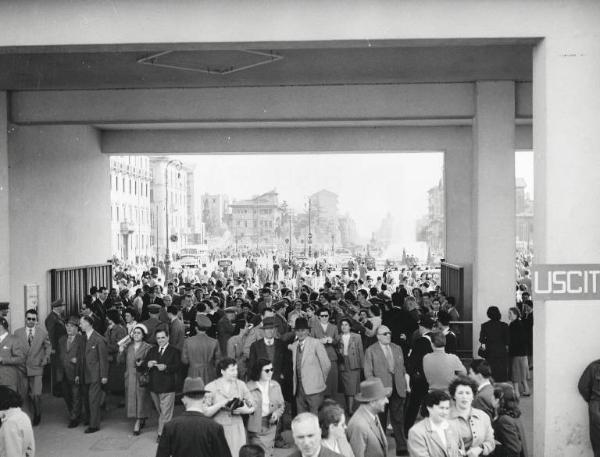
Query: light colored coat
[
  {"x": 423, "y": 441},
  {"x": 314, "y": 368},
  {"x": 481, "y": 428},
  {"x": 332, "y": 332},
  {"x": 364, "y": 436},
  {"x": 13, "y": 355},
  {"x": 138, "y": 401},
  {"x": 276, "y": 404},
  {"x": 376, "y": 366},
  {"x": 38, "y": 355}
]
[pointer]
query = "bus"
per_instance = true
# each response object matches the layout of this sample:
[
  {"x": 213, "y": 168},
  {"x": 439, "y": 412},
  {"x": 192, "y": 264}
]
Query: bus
[{"x": 194, "y": 255}]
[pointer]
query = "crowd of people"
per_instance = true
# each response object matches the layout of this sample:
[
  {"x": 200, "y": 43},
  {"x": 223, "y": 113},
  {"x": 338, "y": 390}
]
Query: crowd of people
[{"x": 245, "y": 355}]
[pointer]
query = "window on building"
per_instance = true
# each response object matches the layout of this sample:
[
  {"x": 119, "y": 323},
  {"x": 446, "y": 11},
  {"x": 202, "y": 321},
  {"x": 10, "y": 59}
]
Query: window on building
[
  {"x": 134, "y": 187},
  {"x": 116, "y": 183},
  {"x": 123, "y": 184},
  {"x": 118, "y": 214}
]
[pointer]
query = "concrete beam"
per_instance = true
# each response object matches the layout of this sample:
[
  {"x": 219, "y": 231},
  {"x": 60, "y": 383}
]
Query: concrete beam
[
  {"x": 245, "y": 104},
  {"x": 62, "y": 22},
  {"x": 282, "y": 140},
  {"x": 4, "y": 203}
]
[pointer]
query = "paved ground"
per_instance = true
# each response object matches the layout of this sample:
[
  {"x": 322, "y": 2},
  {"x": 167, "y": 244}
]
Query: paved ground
[{"x": 54, "y": 439}]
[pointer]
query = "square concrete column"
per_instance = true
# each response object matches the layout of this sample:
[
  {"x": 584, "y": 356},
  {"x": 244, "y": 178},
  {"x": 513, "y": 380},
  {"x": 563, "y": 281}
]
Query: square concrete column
[
  {"x": 566, "y": 141},
  {"x": 4, "y": 203},
  {"x": 493, "y": 200}
]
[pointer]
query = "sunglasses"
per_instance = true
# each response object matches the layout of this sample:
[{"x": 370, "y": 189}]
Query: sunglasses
[
  {"x": 386, "y": 333},
  {"x": 267, "y": 370},
  {"x": 324, "y": 315},
  {"x": 32, "y": 318}
]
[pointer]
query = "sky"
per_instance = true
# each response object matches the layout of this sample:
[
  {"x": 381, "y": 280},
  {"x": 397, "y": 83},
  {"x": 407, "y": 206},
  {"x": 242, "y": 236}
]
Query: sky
[{"x": 369, "y": 185}]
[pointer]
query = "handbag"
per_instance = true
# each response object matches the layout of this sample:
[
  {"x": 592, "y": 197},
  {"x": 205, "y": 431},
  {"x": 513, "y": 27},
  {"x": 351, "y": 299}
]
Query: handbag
[
  {"x": 482, "y": 352},
  {"x": 144, "y": 378}
]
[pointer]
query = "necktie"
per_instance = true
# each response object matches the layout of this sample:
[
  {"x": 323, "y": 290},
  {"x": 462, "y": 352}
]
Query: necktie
[
  {"x": 30, "y": 337},
  {"x": 380, "y": 428},
  {"x": 161, "y": 350}
]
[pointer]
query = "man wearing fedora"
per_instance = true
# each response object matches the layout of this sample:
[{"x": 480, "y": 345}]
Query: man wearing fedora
[
  {"x": 311, "y": 366},
  {"x": 70, "y": 346},
  {"x": 384, "y": 360},
  {"x": 365, "y": 433},
  {"x": 55, "y": 325},
  {"x": 192, "y": 433}
]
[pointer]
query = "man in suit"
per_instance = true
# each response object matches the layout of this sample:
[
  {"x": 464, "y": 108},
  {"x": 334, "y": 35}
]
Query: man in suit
[
  {"x": 384, "y": 360},
  {"x": 176, "y": 328},
  {"x": 151, "y": 298},
  {"x": 443, "y": 324},
  {"x": 328, "y": 335},
  {"x": 92, "y": 369},
  {"x": 484, "y": 400},
  {"x": 55, "y": 326},
  {"x": 201, "y": 352},
  {"x": 164, "y": 363},
  {"x": 70, "y": 348},
  {"x": 226, "y": 328},
  {"x": 99, "y": 308},
  {"x": 153, "y": 323},
  {"x": 311, "y": 366},
  {"x": 34, "y": 338},
  {"x": 12, "y": 355},
  {"x": 365, "y": 433},
  {"x": 270, "y": 348},
  {"x": 307, "y": 436},
  {"x": 192, "y": 433}
]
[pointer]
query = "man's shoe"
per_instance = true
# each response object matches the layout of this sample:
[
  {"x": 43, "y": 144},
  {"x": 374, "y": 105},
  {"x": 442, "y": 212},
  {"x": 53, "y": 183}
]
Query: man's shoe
[
  {"x": 73, "y": 423},
  {"x": 91, "y": 430}
]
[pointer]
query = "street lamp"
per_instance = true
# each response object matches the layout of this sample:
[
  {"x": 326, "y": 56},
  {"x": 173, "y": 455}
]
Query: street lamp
[
  {"x": 309, "y": 232},
  {"x": 177, "y": 164}
]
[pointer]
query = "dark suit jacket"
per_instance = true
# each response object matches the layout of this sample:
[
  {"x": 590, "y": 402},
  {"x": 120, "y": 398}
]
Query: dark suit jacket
[
  {"x": 225, "y": 330},
  {"x": 176, "y": 333},
  {"x": 164, "y": 381},
  {"x": 146, "y": 301},
  {"x": 258, "y": 350},
  {"x": 93, "y": 363},
  {"x": 192, "y": 434},
  {"x": 56, "y": 328},
  {"x": 74, "y": 351},
  {"x": 494, "y": 334}
]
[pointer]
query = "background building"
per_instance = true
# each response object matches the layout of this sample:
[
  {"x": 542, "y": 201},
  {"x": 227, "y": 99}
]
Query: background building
[
  {"x": 130, "y": 188},
  {"x": 524, "y": 209},
  {"x": 255, "y": 222},
  {"x": 214, "y": 211},
  {"x": 196, "y": 226},
  {"x": 324, "y": 220},
  {"x": 168, "y": 197}
]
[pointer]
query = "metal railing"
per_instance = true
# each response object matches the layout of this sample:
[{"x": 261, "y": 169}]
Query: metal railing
[{"x": 73, "y": 284}]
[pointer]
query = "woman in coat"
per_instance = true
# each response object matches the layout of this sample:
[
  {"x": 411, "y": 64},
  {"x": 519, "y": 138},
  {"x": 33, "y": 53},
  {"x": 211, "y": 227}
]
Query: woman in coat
[
  {"x": 425, "y": 437},
  {"x": 221, "y": 392},
  {"x": 508, "y": 428},
  {"x": 517, "y": 351},
  {"x": 351, "y": 349},
  {"x": 269, "y": 406},
  {"x": 493, "y": 337},
  {"x": 16, "y": 433},
  {"x": 137, "y": 398},
  {"x": 473, "y": 425}
]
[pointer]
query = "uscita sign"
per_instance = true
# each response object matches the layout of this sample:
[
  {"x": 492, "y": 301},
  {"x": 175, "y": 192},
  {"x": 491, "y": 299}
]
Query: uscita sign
[{"x": 566, "y": 282}]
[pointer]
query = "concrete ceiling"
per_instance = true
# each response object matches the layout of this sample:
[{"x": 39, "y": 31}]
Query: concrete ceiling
[{"x": 367, "y": 63}]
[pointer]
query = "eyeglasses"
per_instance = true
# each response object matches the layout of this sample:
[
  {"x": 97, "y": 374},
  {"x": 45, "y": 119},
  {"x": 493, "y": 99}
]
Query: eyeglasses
[
  {"x": 32, "y": 318},
  {"x": 386, "y": 333},
  {"x": 267, "y": 370},
  {"x": 324, "y": 315}
]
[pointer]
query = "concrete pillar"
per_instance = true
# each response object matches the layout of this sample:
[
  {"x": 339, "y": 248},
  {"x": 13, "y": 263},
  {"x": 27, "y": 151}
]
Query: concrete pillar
[
  {"x": 4, "y": 220},
  {"x": 566, "y": 110},
  {"x": 59, "y": 207},
  {"x": 493, "y": 200},
  {"x": 458, "y": 182}
]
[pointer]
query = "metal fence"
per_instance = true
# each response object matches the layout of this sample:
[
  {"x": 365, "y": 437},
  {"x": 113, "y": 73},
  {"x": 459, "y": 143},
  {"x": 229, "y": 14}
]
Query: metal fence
[
  {"x": 73, "y": 284},
  {"x": 452, "y": 283}
]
